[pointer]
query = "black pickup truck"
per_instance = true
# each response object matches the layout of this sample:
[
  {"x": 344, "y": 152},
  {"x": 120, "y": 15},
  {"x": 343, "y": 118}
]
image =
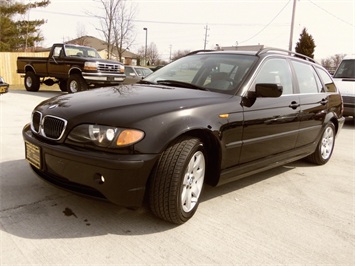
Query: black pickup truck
[{"x": 73, "y": 67}]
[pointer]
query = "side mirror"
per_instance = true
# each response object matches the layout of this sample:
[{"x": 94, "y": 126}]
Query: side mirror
[
  {"x": 55, "y": 61},
  {"x": 268, "y": 90},
  {"x": 271, "y": 90}
]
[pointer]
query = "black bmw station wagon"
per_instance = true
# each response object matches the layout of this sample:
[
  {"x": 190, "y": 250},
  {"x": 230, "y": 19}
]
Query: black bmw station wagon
[{"x": 210, "y": 117}]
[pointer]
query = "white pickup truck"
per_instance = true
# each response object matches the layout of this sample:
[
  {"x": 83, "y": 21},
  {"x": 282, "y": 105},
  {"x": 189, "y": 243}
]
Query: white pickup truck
[{"x": 344, "y": 78}]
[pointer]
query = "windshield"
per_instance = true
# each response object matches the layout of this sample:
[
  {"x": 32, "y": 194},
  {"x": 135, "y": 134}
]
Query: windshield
[
  {"x": 211, "y": 71},
  {"x": 81, "y": 51},
  {"x": 346, "y": 69}
]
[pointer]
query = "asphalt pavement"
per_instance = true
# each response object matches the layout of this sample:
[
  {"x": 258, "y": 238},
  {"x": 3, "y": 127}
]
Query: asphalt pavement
[{"x": 294, "y": 214}]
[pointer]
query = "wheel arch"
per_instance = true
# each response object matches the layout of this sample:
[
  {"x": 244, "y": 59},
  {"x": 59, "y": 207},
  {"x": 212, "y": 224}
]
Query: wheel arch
[
  {"x": 212, "y": 149},
  {"x": 333, "y": 118},
  {"x": 74, "y": 70},
  {"x": 29, "y": 68},
  {"x": 213, "y": 153}
]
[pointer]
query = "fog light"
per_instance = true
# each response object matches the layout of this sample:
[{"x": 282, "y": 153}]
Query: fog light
[{"x": 100, "y": 179}]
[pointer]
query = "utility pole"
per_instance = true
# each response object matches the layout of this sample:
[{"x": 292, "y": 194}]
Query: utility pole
[
  {"x": 145, "y": 48},
  {"x": 292, "y": 23},
  {"x": 205, "y": 41}
]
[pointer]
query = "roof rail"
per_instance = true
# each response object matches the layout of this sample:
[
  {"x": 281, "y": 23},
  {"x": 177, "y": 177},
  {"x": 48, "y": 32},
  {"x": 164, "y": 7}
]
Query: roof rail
[
  {"x": 270, "y": 49},
  {"x": 198, "y": 51}
]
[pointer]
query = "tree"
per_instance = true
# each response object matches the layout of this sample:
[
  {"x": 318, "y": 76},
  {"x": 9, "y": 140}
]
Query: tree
[
  {"x": 337, "y": 58},
  {"x": 306, "y": 44},
  {"x": 123, "y": 29},
  {"x": 19, "y": 34},
  {"x": 153, "y": 57},
  {"x": 110, "y": 8},
  {"x": 332, "y": 63},
  {"x": 117, "y": 26}
]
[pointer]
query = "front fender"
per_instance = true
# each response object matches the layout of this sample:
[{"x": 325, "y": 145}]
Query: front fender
[{"x": 160, "y": 131}]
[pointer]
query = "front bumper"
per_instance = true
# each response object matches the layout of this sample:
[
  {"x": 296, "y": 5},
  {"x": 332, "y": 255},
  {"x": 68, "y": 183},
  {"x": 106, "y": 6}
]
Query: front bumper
[
  {"x": 4, "y": 87},
  {"x": 349, "y": 105},
  {"x": 103, "y": 78},
  {"x": 118, "y": 178}
]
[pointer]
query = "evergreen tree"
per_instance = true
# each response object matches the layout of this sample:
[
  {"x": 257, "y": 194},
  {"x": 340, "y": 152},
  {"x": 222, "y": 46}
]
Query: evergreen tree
[
  {"x": 305, "y": 44},
  {"x": 19, "y": 34}
]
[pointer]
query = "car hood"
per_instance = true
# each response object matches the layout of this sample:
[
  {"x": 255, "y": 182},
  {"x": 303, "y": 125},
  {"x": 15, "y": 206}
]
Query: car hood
[
  {"x": 126, "y": 103},
  {"x": 346, "y": 86}
]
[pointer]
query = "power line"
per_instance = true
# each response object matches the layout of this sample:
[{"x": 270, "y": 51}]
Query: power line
[
  {"x": 326, "y": 11},
  {"x": 156, "y": 22},
  {"x": 267, "y": 25}
]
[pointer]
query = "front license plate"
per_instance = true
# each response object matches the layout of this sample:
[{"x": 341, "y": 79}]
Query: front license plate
[
  {"x": 2, "y": 89},
  {"x": 33, "y": 154}
]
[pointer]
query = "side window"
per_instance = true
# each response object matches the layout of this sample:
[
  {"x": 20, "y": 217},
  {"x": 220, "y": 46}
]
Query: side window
[
  {"x": 129, "y": 71},
  {"x": 57, "y": 51},
  {"x": 327, "y": 80},
  {"x": 276, "y": 71},
  {"x": 308, "y": 80}
]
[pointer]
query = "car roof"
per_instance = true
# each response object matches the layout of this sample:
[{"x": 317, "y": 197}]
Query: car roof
[{"x": 347, "y": 57}]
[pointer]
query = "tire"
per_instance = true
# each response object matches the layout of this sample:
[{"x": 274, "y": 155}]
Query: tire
[
  {"x": 76, "y": 83},
  {"x": 32, "y": 82},
  {"x": 63, "y": 85},
  {"x": 177, "y": 181},
  {"x": 325, "y": 146}
]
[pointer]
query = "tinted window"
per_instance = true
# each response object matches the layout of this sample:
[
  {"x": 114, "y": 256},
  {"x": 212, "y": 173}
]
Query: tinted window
[
  {"x": 327, "y": 80},
  {"x": 276, "y": 71},
  {"x": 308, "y": 80},
  {"x": 216, "y": 72},
  {"x": 346, "y": 69},
  {"x": 129, "y": 71}
]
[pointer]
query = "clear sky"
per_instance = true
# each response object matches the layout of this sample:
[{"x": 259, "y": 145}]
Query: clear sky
[{"x": 181, "y": 24}]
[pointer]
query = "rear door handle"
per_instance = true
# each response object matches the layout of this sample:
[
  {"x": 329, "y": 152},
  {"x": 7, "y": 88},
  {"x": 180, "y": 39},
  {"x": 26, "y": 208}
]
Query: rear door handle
[{"x": 294, "y": 105}]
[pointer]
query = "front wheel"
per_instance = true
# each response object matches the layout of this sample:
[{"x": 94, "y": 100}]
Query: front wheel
[
  {"x": 177, "y": 181},
  {"x": 32, "y": 82},
  {"x": 76, "y": 83},
  {"x": 63, "y": 85},
  {"x": 325, "y": 146}
]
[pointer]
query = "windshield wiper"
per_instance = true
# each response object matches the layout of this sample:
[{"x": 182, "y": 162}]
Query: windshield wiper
[
  {"x": 181, "y": 84},
  {"x": 142, "y": 81}
]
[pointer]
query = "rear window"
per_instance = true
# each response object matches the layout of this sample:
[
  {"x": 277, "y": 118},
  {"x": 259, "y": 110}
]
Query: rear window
[{"x": 308, "y": 80}]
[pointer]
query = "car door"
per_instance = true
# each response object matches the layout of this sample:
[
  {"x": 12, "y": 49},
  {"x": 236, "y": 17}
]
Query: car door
[
  {"x": 271, "y": 124},
  {"x": 131, "y": 75},
  {"x": 56, "y": 65},
  {"x": 313, "y": 100}
]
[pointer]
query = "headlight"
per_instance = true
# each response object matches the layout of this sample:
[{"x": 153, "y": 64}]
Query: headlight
[
  {"x": 104, "y": 136},
  {"x": 121, "y": 69},
  {"x": 90, "y": 66}
]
